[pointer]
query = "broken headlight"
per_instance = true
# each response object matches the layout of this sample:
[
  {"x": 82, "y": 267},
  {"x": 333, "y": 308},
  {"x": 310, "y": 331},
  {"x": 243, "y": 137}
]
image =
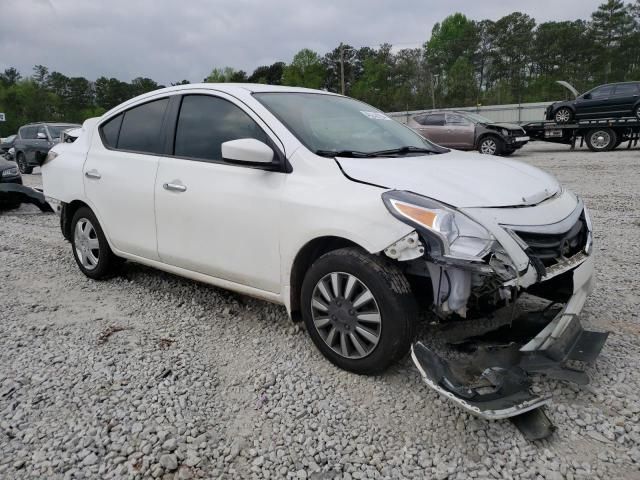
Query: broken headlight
[{"x": 452, "y": 233}]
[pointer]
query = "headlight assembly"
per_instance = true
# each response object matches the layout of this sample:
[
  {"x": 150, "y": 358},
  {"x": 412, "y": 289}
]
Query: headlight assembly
[{"x": 452, "y": 233}]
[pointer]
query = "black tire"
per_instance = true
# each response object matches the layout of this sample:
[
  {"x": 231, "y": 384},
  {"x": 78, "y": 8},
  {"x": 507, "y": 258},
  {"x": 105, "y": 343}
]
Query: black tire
[
  {"x": 491, "y": 145},
  {"x": 563, "y": 115},
  {"x": 24, "y": 168},
  {"x": 506, "y": 153},
  {"x": 618, "y": 142},
  {"x": 392, "y": 296},
  {"x": 107, "y": 263},
  {"x": 601, "y": 139}
]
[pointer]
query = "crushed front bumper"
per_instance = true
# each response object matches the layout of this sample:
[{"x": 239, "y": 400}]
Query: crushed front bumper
[
  {"x": 15, "y": 193},
  {"x": 493, "y": 383}
]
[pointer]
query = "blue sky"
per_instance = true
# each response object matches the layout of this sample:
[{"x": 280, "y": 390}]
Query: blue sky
[{"x": 170, "y": 40}]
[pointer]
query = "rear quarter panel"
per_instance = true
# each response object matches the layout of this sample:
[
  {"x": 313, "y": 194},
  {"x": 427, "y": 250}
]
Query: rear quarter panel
[{"x": 62, "y": 177}]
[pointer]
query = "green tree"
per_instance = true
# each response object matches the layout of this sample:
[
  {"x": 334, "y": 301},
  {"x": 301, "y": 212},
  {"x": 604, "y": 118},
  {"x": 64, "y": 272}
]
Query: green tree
[
  {"x": 511, "y": 56},
  {"x": 612, "y": 23},
  {"x": 306, "y": 70},
  {"x": 10, "y": 77},
  {"x": 269, "y": 74},
  {"x": 226, "y": 75}
]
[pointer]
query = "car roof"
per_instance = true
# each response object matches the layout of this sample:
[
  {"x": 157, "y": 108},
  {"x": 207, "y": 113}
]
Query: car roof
[{"x": 234, "y": 89}]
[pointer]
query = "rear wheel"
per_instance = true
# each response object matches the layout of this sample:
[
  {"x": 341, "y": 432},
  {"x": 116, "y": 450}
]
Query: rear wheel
[
  {"x": 24, "y": 168},
  {"x": 563, "y": 115},
  {"x": 601, "y": 139},
  {"x": 90, "y": 247},
  {"x": 359, "y": 310},
  {"x": 491, "y": 145}
]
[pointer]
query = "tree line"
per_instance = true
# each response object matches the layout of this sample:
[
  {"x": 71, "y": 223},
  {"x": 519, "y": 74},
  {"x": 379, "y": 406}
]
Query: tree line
[{"x": 463, "y": 63}]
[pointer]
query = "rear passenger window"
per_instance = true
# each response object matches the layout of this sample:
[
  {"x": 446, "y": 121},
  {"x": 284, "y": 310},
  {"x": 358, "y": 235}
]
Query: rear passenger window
[
  {"x": 626, "y": 90},
  {"x": 28, "y": 133},
  {"x": 206, "y": 122},
  {"x": 110, "y": 131},
  {"x": 141, "y": 128}
]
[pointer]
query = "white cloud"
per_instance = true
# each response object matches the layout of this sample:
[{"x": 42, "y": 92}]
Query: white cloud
[{"x": 170, "y": 40}]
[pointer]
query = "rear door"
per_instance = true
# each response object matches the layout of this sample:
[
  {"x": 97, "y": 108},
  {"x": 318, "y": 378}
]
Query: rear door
[
  {"x": 625, "y": 97},
  {"x": 432, "y": 127},
  {"x": 120, "y": 173},
  {"x": 217, "y": 218},
  {"x": 598, "y": 103}
]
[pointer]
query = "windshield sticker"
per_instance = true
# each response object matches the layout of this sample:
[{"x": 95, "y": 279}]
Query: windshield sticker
[{"x": 374, "y": 115}]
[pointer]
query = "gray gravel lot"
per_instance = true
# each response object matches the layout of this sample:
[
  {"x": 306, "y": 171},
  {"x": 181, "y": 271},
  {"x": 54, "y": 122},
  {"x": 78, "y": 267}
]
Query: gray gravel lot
[{"x": 150, "y": 375}]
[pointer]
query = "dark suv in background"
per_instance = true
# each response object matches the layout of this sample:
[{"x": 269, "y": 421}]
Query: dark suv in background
[
  {"x": 34, "y": 142},
  {"x": 611, "y": 100}
]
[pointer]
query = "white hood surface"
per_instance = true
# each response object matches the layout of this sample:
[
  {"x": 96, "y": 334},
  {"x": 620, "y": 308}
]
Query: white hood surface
[{"x": 457, "y": 178}]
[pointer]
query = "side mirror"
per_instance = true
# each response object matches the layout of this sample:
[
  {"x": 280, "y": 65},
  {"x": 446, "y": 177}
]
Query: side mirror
[
  {"x": 247, "y": 150},
  {"x": 586, "y": 96},
  {"x": 41, "y": 136}
]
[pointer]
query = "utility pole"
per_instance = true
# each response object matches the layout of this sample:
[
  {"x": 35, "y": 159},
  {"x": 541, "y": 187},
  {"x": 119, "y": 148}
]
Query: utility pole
[{"x": 341, "y": 68}]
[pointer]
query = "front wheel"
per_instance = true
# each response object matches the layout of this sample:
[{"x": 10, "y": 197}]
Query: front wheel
[
  {"x": 359, "y": 310},
  {"x": 601, "y": 139},
  {"x": 491, "y": 146},
  {"x": 24, "y": 168},
  {"x": 563, "y": 115},
  {"x": 90, "y": 247}
]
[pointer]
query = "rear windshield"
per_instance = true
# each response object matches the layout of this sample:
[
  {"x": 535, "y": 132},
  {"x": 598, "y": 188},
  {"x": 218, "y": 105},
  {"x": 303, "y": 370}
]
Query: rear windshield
[{"x": 56, "y": 130}]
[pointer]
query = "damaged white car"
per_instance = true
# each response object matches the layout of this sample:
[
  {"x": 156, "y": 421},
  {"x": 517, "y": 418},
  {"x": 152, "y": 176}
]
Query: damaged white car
[{"x": 354, "y": 222}]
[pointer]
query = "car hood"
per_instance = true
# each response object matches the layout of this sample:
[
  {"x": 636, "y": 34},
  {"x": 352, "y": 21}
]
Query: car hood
[
  {"x": 508, "y": 126},
  {"x": 457, "y": 178}
]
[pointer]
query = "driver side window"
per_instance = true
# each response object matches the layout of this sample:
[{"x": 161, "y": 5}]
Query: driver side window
[
  {"x": 456, "y": 119},
  {"x": 602, "y": 92},
  {"x": 206, "y": 122}
]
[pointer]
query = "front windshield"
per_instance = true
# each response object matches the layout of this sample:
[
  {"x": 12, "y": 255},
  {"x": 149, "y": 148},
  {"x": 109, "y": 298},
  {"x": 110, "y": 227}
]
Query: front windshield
[
  {"x": 476, "y": 118},
  {"x": 329, "y": 124},
  {"x": 55, "y": 130}
]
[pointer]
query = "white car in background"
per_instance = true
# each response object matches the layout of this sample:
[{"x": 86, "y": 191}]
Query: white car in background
[{"x": 323, "y": 204}]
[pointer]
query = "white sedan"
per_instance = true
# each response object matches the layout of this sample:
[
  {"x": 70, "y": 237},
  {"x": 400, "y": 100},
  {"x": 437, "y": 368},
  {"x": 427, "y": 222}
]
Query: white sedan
[{"x": 323, "y": 204}]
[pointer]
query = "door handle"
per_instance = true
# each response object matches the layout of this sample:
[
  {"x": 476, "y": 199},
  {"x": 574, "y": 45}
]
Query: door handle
[
  {"x": 93, "y": 174},
  {"x": 175, "y": 187}
]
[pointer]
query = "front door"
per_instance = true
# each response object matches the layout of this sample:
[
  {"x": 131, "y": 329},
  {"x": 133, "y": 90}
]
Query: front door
[
  {"x": 459, "y": 132},
  {"x": 217, "y": 218},
  {"x": 596, "y": 104}
]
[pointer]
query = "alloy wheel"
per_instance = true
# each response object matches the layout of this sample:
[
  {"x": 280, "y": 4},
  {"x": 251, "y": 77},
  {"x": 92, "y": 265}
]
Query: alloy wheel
[
  {"x": 346, "y": 315},
  {"x": 488, "y": 146},
  {"x": 86, "y": 244},
  {"x": 563, "y": 115}
]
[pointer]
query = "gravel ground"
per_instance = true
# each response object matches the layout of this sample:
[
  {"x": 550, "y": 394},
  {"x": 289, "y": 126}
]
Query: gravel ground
[{"x": 150, "y": 375}]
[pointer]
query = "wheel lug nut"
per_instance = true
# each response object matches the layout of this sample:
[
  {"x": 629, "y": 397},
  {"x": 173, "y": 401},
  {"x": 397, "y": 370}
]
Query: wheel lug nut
[
  {"x": 339, "y": 304},
  {"x": 352, "y": 312},
  {"x": 333, "y": 317}
]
